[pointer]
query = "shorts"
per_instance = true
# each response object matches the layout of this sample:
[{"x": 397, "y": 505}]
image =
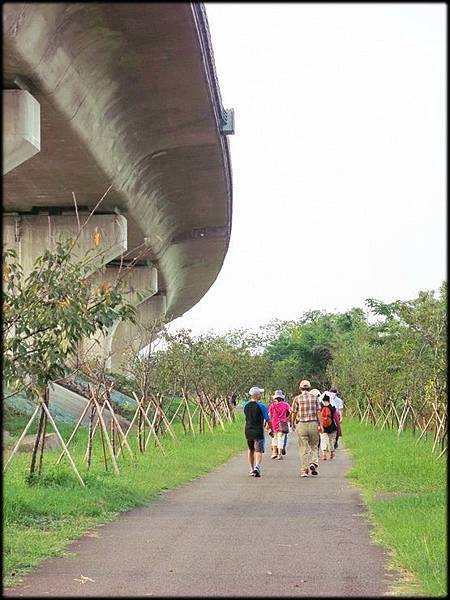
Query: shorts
[{"x": 255, "y": 444}]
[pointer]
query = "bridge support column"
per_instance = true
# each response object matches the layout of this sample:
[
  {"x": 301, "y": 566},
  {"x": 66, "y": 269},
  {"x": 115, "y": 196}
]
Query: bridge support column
[
  {"x": 21, "y": 128},
  {"x": 142, "y": 284},
  {"x": 128, "y": 337},
  {"x": 31, "y": 235}
]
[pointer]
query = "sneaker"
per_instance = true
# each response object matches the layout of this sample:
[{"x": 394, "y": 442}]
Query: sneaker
[
  {"x": 279, "y": 457},
  {"x": 283, "y": 452},
  {"x": 304, "y": 473},
  {"x": 274, "y": 456},
  {"x": 313, "y": 469},
  {"x": 252, "y": 472},
  {"x": 257, "y": 472},
  {"x": 333, "y": 455}
]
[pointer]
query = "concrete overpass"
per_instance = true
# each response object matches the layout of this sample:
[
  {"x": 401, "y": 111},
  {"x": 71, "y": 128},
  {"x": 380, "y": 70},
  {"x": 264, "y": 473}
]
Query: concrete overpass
[{"x": 122, "y": 95}]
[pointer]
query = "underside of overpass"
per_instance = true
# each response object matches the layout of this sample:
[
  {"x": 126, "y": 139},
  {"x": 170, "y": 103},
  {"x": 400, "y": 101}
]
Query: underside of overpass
[{"x": 121, "y": 97}]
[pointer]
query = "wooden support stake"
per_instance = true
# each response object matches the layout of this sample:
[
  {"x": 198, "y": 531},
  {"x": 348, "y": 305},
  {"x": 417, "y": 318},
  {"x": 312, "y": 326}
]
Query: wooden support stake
[
  {"x": 152, "y": 429},
  {"x": 108, "y": 442},
  {"x": 24, "y": 433},
  {"x": 119, "y": 428},
  {"x": 72, "y": 435},
  {"x": 61, "y": 441}
]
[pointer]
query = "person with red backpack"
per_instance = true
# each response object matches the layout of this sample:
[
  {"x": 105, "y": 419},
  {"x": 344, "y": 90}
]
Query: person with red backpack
[{"x": 328, "y": 418}]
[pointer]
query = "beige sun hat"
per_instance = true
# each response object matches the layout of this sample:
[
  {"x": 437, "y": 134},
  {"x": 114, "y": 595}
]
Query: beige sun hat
[
  {"x": 315, "y": 392},
  {"x": 304, "y": 384}
]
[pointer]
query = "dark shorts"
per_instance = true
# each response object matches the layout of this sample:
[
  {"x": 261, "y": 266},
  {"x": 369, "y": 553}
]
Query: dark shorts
[{"x": 255, "y": 444}]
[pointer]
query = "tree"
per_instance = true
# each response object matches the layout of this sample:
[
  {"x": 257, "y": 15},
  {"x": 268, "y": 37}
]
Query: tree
[{"x": 46, "y": 315}]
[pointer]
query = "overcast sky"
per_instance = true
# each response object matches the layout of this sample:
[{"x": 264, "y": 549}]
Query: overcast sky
[{"x": 338, "y": 157}]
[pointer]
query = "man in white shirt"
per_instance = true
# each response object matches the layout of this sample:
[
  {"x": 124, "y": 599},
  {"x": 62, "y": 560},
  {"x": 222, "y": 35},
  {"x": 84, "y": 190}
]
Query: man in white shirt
[{"x": 336, "y": 401}]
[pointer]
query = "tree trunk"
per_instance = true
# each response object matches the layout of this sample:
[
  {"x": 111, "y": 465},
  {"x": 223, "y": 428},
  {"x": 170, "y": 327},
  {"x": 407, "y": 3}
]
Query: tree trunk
[{"x": 36, "y": 443}]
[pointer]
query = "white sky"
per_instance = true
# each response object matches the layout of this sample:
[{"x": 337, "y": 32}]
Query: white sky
[{"x": 338, "y": 157}]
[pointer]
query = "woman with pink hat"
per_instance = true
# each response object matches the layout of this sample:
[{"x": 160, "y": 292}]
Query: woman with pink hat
[{"x": 279, "y": 412}]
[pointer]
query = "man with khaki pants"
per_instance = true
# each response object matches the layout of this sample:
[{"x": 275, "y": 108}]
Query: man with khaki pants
[{"x": 305, "y": 412}]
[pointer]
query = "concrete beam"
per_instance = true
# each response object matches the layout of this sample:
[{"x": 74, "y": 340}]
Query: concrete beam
[
  {"x": 140, "y": 278},
  {"x": 21, "y": 128},
  {"x": 143, "y": 279},
  {"x": 31, "y": 235},
  {"x": 132, "y": 337}
]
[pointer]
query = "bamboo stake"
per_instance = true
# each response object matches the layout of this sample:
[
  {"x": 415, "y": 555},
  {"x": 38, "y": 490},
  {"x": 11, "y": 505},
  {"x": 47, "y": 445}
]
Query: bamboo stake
[
  {"x": 216, "y": 413},
  {"x": 164, "y": 419},
  {"x": 403, "y": 419},
  {"x": 150, "y": 425},
  {"x": 119, "y": 428},
  {"x": 61, "y": 441},
  {"x": 108, "y": 442},
  {"x": 128, "y": 430},
  {"x": 69, "y": 441},
  {"x": 386, "y": 419},
  {"x": 152, "y": 429},
  {"x": 175, "y": 413},
  {"x": 90, "y": 430},
  {"x": 24, "y": 433},
  {"x": 443, "y": 452},
  {"x": 424, "y": 429},
  {"x": 205, "y": 417},
  {"x": 189, "y": 413},
  {"x": 95, "y": 426}
]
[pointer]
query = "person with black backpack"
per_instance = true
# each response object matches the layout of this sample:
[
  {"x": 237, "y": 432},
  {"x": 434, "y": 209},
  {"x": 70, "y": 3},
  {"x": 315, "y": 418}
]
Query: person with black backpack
[{"x": 328, "y": 427}]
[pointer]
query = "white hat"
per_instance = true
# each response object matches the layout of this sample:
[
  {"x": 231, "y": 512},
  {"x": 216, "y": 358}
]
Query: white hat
[
  {"x": 315, "y": 392},
  {"x": 304, "y": 384},
  {"x": 255, "y": 390},
  {"x": 279, "y": 394}
]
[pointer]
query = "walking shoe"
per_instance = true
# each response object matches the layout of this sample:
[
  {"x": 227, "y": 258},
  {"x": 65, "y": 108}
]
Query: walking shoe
[
  {"x": 313, "y": 469},
  {"x": 333, "y": 455},
  {"x": 304, "y": 473},
  {"x": 279, "y": 457},
  {"x": 257, "y": 472},
  {"x": 252, "y": 472},
  {"x": 283, "y": 452},
  {"x": 274, "y": 456}
]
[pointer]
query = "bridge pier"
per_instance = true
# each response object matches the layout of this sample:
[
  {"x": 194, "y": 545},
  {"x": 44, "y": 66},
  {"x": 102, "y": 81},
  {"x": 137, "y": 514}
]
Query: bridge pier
[
  {"x": 132, "y": 338},
  {"x": 31, "y": 235},
  {"x": 21, "y": 128},
  {"x": 142, "y": 284}
]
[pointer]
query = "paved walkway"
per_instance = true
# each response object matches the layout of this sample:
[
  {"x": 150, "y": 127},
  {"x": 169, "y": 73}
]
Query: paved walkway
[{"x": 228, "y": 534}]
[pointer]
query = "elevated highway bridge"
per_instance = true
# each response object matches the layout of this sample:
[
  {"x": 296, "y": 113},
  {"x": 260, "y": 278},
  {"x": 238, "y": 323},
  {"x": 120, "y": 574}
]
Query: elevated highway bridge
[{"x": 119, "y": 96}]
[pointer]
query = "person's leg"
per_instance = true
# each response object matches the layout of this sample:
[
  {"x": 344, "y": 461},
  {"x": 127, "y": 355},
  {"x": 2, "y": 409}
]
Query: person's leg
[
  {"x": 313, "y": 436},
  {"x": 332, "y": 437},
  {"x": 284, "y": 444},
  {"x": 259, "y": 449},
  {"x": 303, "y": 447},
  {"x": 280, "y": 441},
  {"x": 251, "y": 454},
  {"x": 323, "y": 445},
  {"x": 274, "y": 447}
]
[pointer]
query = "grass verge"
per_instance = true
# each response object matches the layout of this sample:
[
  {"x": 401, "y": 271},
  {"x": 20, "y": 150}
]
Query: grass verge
[
  {"x": 40, "y": 520},
  {"x": 405, "y": 488}
]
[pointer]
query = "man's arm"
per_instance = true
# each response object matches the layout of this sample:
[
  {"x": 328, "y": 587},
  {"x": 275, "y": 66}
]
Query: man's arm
[{"x": 293, "y": 413}]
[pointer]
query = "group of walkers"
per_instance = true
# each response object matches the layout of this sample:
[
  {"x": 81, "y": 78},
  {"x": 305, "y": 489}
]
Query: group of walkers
[{"x": 315, "y": 417}]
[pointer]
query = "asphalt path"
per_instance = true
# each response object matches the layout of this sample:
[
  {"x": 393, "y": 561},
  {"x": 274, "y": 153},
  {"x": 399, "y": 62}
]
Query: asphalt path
[{"x": 228, "y": 534}]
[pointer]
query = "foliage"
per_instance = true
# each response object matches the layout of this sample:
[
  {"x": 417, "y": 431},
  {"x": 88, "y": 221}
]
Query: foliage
[
  {"x": 401, "y": 355},
  {"x": 48, "y": 312},
  {"x": 409, "y": 489}
]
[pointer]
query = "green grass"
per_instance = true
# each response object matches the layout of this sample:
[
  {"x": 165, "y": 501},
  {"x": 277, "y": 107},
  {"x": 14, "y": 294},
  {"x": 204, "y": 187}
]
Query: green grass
[
  {"x": 405, "y": 488},
  {"x": 40, "y": 520}
]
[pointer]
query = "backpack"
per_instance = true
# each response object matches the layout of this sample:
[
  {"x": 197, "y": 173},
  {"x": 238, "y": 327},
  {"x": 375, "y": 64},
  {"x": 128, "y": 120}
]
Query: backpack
[{"x": 327, "y": 416}]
